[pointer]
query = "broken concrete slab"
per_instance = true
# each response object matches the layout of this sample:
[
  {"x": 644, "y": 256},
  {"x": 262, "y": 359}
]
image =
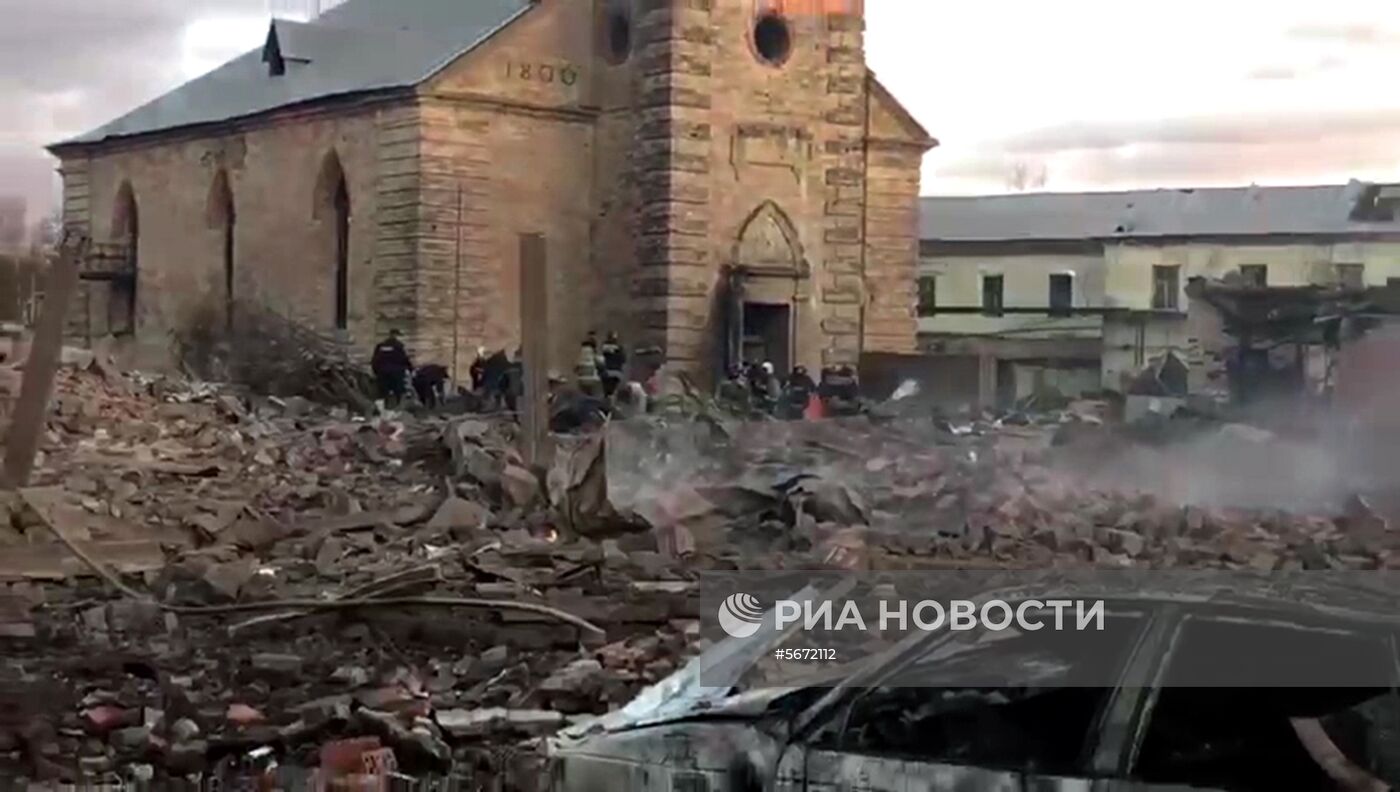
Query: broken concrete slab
[
  {"x": 481, "y": 722},
  {"x": 459, "y": 513},
  {"x": 520, "y": 487}
]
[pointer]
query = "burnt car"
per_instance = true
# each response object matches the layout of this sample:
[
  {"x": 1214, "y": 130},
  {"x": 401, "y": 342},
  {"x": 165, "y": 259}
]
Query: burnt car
[{"x": 1218, "y": 690}]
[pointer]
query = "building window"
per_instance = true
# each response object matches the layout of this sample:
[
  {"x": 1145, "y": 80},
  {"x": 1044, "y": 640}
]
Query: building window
[
  {"x": 333, "y": 210},
  {"x": 126, "y": 230},
  {"x": 992, "y": 295},
  {"x": 1255, "y": 274},
  {"x": 617, "y": 29},
  {"x": 928, "y": 295},
  {"x": 223, "y": 218},
  {"x": 1166, "y": 288},
  {"x": 342, "y": 255},
  {"x": 772, "y": 38},
  {"x": 1351, "y": 276},
  {"x": 1061, "y": 294}
]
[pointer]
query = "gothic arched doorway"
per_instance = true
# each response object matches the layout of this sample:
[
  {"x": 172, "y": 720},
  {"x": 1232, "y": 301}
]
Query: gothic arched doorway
[{"x": 768, "y": 277}]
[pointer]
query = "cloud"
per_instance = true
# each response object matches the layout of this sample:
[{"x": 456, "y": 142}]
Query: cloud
[
  {"x": 69, "y": 65},
  {"x": 1273, "y": 73},
  {"x": 1359, "y": 34},
  {"x": 1265, "y": 127},
  {"x": 1370, "y": 156}
]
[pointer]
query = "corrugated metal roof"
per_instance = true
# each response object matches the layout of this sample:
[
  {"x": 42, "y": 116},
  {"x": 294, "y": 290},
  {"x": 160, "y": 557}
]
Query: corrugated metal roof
[
  {"x": 362, "y": 45},
  {"x": 1233, "y": 211}
]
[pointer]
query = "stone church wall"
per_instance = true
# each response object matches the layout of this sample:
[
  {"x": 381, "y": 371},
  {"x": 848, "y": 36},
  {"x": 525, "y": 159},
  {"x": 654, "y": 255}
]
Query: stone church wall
[
  {"x": 284, "y": 249},
  {"x": 674, "y": 176}
]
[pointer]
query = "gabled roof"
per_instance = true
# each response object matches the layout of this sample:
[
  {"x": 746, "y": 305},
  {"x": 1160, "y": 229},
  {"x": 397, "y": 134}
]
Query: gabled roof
[
  {"x": 359, "y": 46},
  {"x": 1328, "y": 210},
  {"x": 918, "y": 133}
]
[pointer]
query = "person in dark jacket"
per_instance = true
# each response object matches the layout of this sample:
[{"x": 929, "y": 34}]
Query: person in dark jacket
[
  {"x": 614, "y": 359},
  {"x": 840, "y": 391},
  {"x": 515, "y": 380},
  {"x": 573, "y": 410},
  {"x": 477, "y": 372},
  {"x": 733, "y": 392},
  {"x": 495, "y": 379},
  {"x": 429, "y": 383},
  {"x": 797, "y": 393},
  {"x": 764, "y": 385},
  {"x": 391, "y": 364}
]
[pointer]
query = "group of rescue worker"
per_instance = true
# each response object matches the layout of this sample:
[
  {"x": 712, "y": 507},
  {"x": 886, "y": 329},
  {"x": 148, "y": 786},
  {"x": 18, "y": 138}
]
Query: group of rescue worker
[
  {"x": 601, "y": 385},
  {"x": 755, "y": 387}
]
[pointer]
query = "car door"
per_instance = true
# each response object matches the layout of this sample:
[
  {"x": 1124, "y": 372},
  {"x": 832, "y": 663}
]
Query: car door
[
  {"x": 979, "y": 710},
  {"x": 1246, "y": 701}
]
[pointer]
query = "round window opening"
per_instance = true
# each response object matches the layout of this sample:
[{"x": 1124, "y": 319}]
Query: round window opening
[
  {"x": 772, "y": 38},
  {"x": 619, "y": 32}
]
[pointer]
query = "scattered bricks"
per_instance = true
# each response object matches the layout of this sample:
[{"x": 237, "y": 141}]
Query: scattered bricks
[
  {"x": 416, "y": 746},
  {"x": 103, "y": 719},
  {"x": 381, "y": 762},
  {"x": 343, "y": 757}
]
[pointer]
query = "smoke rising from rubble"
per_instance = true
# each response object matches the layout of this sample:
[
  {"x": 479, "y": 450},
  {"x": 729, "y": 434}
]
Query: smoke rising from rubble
[
  {"x": 1308, "y": 459},
  {"x": 1235, "y": 466}
]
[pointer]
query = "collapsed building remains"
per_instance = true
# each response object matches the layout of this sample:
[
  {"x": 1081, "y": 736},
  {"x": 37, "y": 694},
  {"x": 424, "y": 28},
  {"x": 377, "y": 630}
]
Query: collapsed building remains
[{"x": 203, "y": 584}]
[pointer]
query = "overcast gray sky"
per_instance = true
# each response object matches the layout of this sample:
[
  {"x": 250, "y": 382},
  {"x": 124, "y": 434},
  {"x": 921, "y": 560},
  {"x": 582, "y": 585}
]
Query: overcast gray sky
[{"x": 1098, "y": 94}]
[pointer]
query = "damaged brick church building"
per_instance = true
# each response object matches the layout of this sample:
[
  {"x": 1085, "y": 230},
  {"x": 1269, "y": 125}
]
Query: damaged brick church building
[{"x": 713, "y": 177}]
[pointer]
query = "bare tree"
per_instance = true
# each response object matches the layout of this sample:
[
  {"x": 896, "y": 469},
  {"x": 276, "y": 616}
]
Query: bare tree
[{"x": 1025, "y": 176}]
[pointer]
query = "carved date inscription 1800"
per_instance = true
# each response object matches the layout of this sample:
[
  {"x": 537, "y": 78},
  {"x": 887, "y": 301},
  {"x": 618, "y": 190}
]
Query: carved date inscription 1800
[{"x": 564, "y": 73}]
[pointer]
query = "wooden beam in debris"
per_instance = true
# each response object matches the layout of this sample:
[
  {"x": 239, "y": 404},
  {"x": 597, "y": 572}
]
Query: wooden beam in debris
[
  {"x": 40, "y": 368},
  {"x": 534, "y": 345}
]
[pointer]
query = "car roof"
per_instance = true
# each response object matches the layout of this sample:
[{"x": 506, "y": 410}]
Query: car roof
[{"x": 1352, "y": 596}]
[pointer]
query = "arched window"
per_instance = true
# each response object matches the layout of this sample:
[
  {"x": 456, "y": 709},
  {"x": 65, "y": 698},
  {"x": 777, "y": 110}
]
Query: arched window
[
  {"x": 126, "y": 231},
  {"x": 333, "y": 207},
  {"x": 222, "y": 218},
  {"x": 126, "y": 221},
  {"x": 342, "y": 254}
]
